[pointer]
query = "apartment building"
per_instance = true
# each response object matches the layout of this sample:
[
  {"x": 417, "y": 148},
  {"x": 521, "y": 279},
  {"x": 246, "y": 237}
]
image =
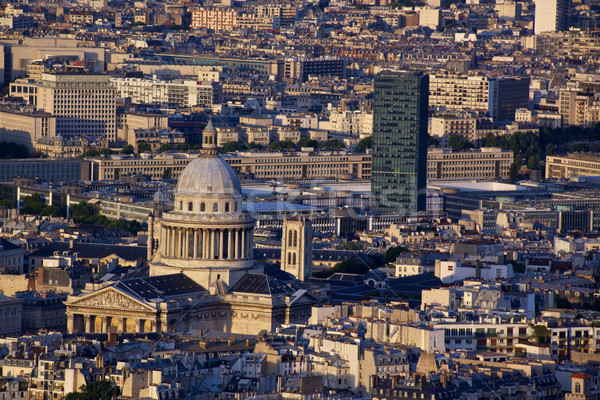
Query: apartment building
[
  {"x": 500, "y": 97},
  {"x": 487, "y": 162},
  {"x": 216, "y": 19},
  {"x": 445, "y": 126},
  {"x": 179, "y": 93},
  {"x": 572, "y": 165},
  {"x": 25, "y": 126},
  {"x": 82, "y": 104},
  {"x": 495, "y": 337},
  {"x": 299, "y": 69}
]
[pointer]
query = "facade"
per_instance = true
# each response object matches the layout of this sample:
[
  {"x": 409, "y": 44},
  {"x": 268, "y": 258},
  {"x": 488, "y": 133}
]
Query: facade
[
  {"x": 400, "y": 108},
  {"x": 43, "y": 311},
  {"x": 572, "y": 165},
  {"x": 488, "y": 162},
  {"x": 552, "y": 15},
  {"x": 500, "y": 97},
  {"x": 444, "y": 127},
  {"x": 304, "y": 165},
  {"x": 52, "y": 170},
  {"x": 26, "y": 127},
  {"x": 299, "y": 70},
  {"x": 84, "y": 104},
  {"x": 216, "y": 19},
  {"x": 11, "y": 258},
  {"x": 296, "y": 247},
  {"x": 202, "y": 273},
  {"x": 10, "y": 315},
  {"x": 179, "y": 93},
  {"x": 61, "y": 147}
]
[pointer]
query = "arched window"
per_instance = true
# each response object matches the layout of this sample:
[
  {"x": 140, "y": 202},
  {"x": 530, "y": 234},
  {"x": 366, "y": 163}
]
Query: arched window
[
  {"x": 227, "y": 207},
  {"x": 215, "y": 207},
  {"x": 289, "y": 258},
  {"x": 190, "y": 206},
  {"x": 294, "y": 259},
  {"x": 295, "y": 238},
  {"x": 181, "y": 205},
  {"x": 202, "y": 207},
  {"x": 290, "y": 238},
  {"x": 578, "y": 387}
]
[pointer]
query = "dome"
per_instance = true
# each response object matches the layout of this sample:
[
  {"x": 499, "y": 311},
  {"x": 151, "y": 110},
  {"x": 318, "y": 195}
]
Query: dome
[{"x": 209, "y": 176}]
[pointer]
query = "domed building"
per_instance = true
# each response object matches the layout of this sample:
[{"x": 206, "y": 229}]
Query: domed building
[
  {"x": 206, "y": 236},
  {"x": 202, "y": 273}
]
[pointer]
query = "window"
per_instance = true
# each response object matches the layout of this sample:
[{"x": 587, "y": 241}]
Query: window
[
  {"x": 181, "y": 205},
  {"x": 215, "y": 207},
  {"x": 295, "y": 238},
  {"x": 578, "y": 387},
  {"x": 227, "y": 207},
  {"x": 289, "y": 258},
  {"x": 290, "y": 238},
  {"x": 294, "y": 259},
  {"x": 202, "y": 207},
  {"x": 190, "y": 206}
]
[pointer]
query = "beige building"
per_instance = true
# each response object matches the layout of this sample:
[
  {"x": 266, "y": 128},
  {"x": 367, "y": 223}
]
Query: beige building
[
  {"x": 26, "y": 126},
  {"x": 203, "y": 276},
  {"x": 304, "y": 164},
  {"x": 60, "y": 147},
  {"x": 83, "y": 104},
  {"x": 572, "y": 165},
  {"x": 444, "y": 127},
  {"x": 488, "y": 162},
  {"x": 129, "y": 121}
]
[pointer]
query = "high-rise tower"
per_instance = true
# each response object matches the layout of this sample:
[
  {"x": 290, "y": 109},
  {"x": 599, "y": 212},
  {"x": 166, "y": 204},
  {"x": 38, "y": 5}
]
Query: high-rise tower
[
  {"x": 399, "y": 167},
  {"x": 552, "y": 15}
]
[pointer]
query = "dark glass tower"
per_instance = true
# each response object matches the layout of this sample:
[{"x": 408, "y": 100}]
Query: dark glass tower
[{"x": 399, "y": 169}]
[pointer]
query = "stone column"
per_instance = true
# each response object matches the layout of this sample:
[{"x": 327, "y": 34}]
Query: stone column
[
  {"x": 139, "y": 325},
  {"x": 195, "y": 243},
  {"x": 243, "y": 243},
  {"x": 104, "y": 324},
  {"x": 230, "y": 244},
  {"x": 153, "y": 326},
  {"x": 123, "y": 325},
  {"x": 88, "y": 323},
  {"x": 221, "y": 237},
  {"x": 70, "y": 318},
  {"x": 186, "y": 243}
]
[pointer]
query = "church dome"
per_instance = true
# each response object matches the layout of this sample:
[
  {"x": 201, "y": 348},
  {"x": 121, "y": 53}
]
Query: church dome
[{"x": 209, "y": 176}]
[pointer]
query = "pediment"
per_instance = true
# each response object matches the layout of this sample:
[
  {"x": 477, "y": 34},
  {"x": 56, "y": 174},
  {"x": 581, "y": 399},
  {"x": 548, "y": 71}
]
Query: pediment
[{"x": 111, "y": 298}]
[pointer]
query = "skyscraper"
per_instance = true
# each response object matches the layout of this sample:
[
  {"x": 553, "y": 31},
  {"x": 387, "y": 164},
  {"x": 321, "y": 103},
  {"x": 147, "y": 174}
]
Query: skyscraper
[
  {"x": 552, "y": 15},
  {"x": 399, "y": 169}
]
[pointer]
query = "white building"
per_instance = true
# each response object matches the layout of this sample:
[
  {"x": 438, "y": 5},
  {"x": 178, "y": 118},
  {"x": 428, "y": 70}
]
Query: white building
[
  {"x": 180, "y": 92},
  {"x": 551, "y": 15}
]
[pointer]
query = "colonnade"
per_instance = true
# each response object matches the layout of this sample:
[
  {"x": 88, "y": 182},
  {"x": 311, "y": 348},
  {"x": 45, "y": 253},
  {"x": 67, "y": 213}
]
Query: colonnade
[
  {"x": 85, "y": 323},
  {"x": 207, "y": 243}
]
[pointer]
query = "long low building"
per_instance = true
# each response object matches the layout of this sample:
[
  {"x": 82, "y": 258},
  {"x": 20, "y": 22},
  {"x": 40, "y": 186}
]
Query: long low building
[
  {"x": 572, "y": 165},
  {"x": 307, "y": 164}
]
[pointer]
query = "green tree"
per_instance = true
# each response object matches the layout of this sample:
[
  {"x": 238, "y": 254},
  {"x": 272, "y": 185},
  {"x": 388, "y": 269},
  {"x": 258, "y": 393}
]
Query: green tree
[
  {"x": 183, "y": 146},
  {"x": 350, "y": 246},
  {"x": 144, "y": 147},
  {"x": 306, "y": 142},
  {"x": 513, "y": 172},
  {"x": 230, "y": 147},
  {"x": 541, "y": 334},
  {"x": 392, "y": 253},
  {"x": 50, "y": 211},
  {"x": 333, "y": 144},
  {"x": 13, "y": 150},
  {"x": 95, "y": 391},
  {"x": 128, "y": 149},
  {"x": 82, "y": 212},
  {"x": 364, "y": 144},
  {"x": 134, "y": 227},
  {"x": 253, "y": 145},
  {"x": 346, "y": 267},
  {"x": 33, "y": 204},
  {"x": 7, "y": 204},
  {"x": 456, "y": 142},
  {"x": 534, "y": 162},
  {"x": 165, "y": 147}
]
